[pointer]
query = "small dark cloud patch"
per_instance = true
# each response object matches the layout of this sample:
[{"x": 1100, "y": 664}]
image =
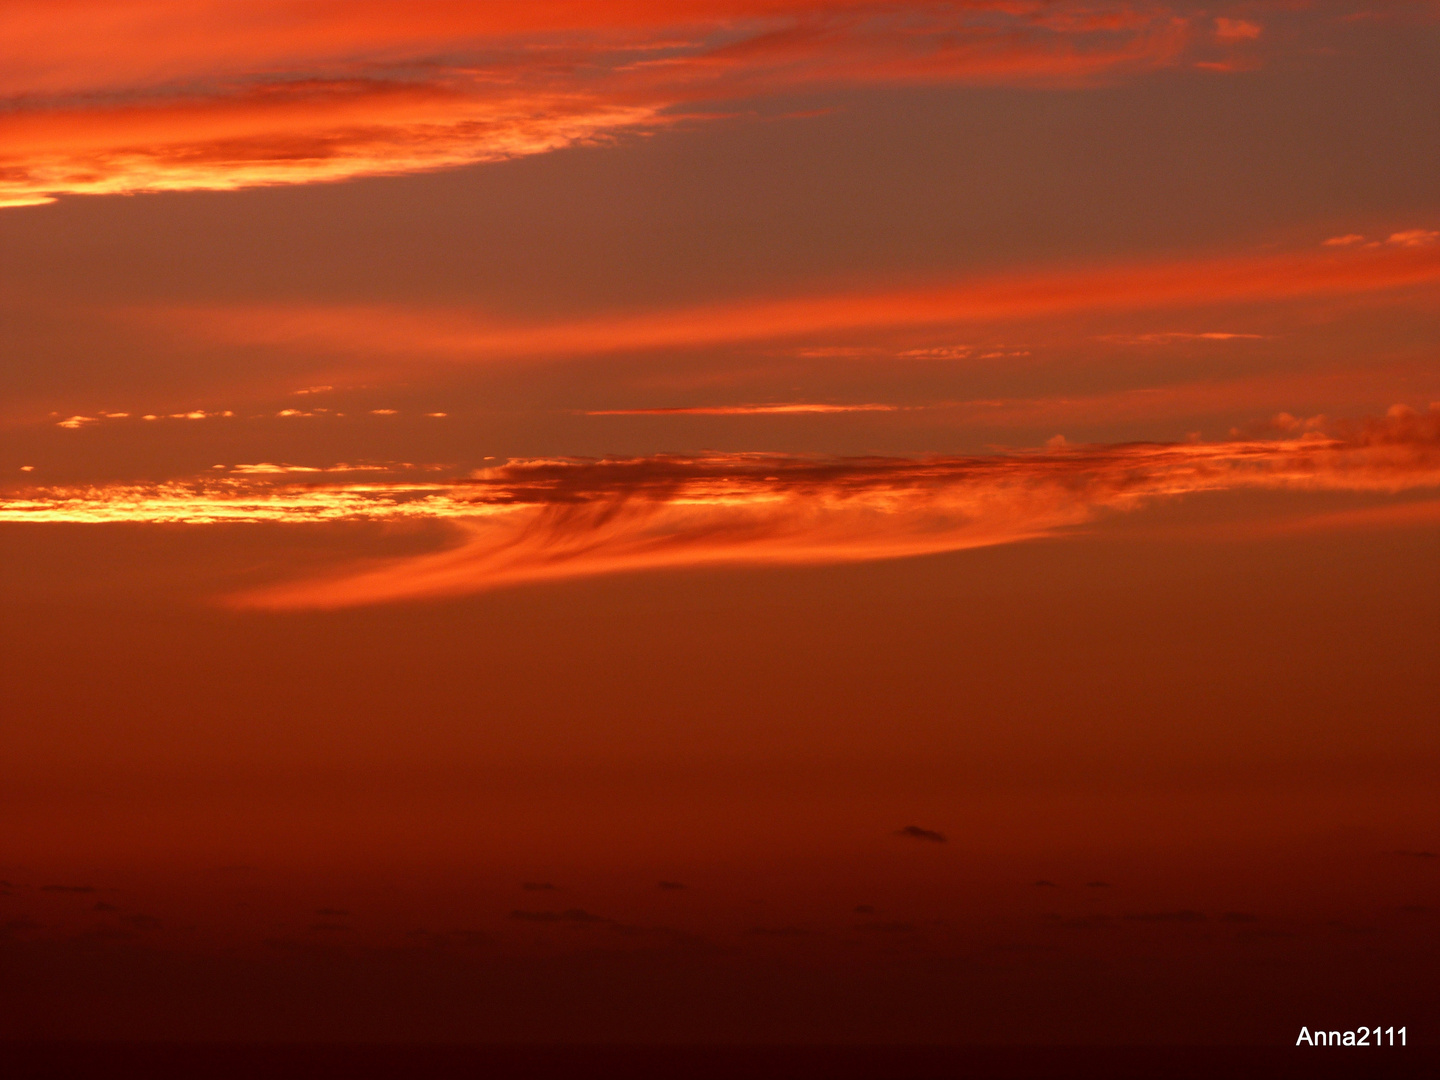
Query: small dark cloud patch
[
  {"x": 1248, "y": 937},
  {"x": 141, "y": 922},
  {"x": 1097, "y": 884},
  {"x": 864, "y": 909},
  {"x": 569, "y": 915},
  {"x": 104, "y": 933},
  {"x": 1185, "y": 916},
  {"x": 776, "y": 931},
  {"x": 1415, "y": 909},
  {"x": 1083, "y": 922},
  {"x": 69, "y": 888},
  {"x": 888, "y": 927},
  {"x": 325, "y": 927},
  {"x": 1043, "y": 884},
  {"x": 1417, "y": 854},
  {"x": 1342, "y": 927},
  {"x": 539, "y": 886},
  {"x": 1238, "y": 917},
  {"x": 21, "y": 925},
  {"x": 331, "y": 912},
  {"x": 915, "y": 832},
  {"x": 669, "y": 885},
  {"x": 443, "y": 939},
  {"x": 101, "y": 905}
]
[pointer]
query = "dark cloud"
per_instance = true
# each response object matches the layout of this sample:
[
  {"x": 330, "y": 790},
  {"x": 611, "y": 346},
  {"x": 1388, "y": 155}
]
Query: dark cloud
[
  {"x": 101, "y": 905},
  {"x": 864, "y": 909},
  {"x": 1167, "y": 916},
  {"x": 570, "y": 915},
  {"x": 1097, "y": 884},
  {"x": 889, "y": 927},
  {"x": 331, "y": 911},
  {"x": 539, "y": 886},
  {"x": 325, "y": 927},
  {"x": 776, "y": 931},
  {"x": 915, "y": 832},
  {"x": 1043, "y": 884},
  {"x": 1082, "y": 922},
  {"x": 1418, "y": 854},
  {"x": 69, "y": 888},
  {"x": 142, "y": 922},
  {"x": 669, "y": 885},
  {"x": 1238, "y": 917}
]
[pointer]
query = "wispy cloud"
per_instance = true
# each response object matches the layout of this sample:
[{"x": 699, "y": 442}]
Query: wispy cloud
[
  {"x": 1172, "y": 337},
  {"x": 464, "y": 335},
  {"x": 550, "y": 519},
  {"x": 143, "y": 95},
  {"x": 783, "y": 408}
]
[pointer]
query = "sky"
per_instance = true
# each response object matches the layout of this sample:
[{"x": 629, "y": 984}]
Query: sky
[{"x": 743, "y": 521}]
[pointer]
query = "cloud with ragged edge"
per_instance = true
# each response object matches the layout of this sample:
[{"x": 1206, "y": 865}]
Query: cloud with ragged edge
[
  {"x": 126, "y": 96},
  {"x": 554, "y": 519}
]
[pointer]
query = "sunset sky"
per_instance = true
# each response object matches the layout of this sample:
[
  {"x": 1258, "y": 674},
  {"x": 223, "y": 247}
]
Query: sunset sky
[{"x": 735, "y": 520}]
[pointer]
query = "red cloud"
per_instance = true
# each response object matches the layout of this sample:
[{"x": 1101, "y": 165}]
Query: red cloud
[
  {"x": 460, "y": 333},
  {"x": 156, "y": 95},
  {"x": 552, "y": 519}
]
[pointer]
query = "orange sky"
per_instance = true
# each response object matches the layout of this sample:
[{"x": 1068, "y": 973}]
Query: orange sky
[{"x": 745, "y": 521}]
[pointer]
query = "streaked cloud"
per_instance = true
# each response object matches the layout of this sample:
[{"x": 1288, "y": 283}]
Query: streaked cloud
[
  {"x": 144, "y": 95},
  {"x": 465, "y": 335},
  {"x": 551, "y": 519},
  {"x": 1171, "y": 337},
  {"x": 783, "y": 408}
]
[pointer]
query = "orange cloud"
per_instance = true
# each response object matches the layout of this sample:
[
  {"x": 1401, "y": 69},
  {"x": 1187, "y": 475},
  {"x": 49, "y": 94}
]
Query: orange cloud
[
  {"x": 543, "y": 520},
  {"x": 161, "y": 95},
  {"x": 462, "y": 334},
  {"x": 1236, "y": 29},
  {"x": 743, "y": 410}
]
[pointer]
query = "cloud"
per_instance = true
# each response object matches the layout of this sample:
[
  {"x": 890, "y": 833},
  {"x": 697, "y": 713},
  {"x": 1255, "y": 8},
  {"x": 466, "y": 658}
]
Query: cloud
[
  {"x": 68, "y": 888},
  {"x": 1413, "y": 238},
  {"x": 1236, "y": 29},
  {"x": 125, "y": 96},
  {"x": 1170, "y": 337},
  {"x": 1347, "y": 240},
  {"x": 915, "y": 832},
  {"x": 570, "y": 915},
  {"x": 783, "y": 408},
  {"x": 1184, "y": 916},
  {"x": 460, "y": 334},
  {"x": 551, "y": 519},
  {"x": 669, "y": 885},
  {"x": 539, "y": 886}
]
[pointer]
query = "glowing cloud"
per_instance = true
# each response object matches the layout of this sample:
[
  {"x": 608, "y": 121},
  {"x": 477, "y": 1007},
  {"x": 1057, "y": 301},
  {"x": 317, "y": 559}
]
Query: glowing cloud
[
  {"x": 743, "y": 410},
  {"x": 540, "y": 520},
  {"x": 1041, "y": 293},
  {"x": 148, "y": 95}
]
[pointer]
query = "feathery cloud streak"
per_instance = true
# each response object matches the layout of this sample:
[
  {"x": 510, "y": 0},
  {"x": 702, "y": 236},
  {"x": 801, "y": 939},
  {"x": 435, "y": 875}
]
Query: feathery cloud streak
[
  {"x": 461, "y": 333},
  {"x": 161, "y": 95},
  {"x": 539, "y": 520}
]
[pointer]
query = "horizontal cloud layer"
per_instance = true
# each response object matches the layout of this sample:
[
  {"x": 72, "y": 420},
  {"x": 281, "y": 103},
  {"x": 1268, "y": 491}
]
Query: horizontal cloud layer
[
  {"x": 156, "y": 95},
  {"x": 536, "y": 520},
  {"x": 380, "y": 330}
]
